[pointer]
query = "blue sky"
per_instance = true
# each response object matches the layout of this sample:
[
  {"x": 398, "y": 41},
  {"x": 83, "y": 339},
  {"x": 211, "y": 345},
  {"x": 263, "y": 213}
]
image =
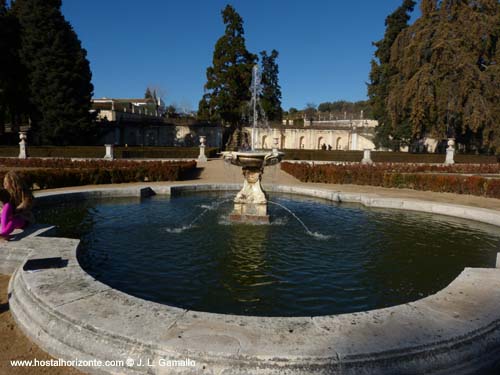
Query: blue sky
[{"x": 325, "y": 45}]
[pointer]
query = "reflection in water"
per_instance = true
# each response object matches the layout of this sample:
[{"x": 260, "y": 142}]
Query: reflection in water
[
  {"x": 372, "y": 258},
  {"x": 244, "y": 264}
]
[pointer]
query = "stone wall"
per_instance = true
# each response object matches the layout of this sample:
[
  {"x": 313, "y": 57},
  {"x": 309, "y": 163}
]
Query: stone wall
[{"x": 160, "y": 134}]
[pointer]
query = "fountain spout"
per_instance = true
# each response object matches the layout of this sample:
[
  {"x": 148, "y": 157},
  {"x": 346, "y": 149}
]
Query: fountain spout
[{"x": 255, "y": 88}]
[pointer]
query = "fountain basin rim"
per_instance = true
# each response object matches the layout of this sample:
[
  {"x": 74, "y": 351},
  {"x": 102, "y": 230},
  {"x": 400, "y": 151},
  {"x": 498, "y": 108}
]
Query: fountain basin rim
[
  {"x": 255, "y": 159},
  {"x": 459, "y": 321},
  {"x": 256, "y": 153}
]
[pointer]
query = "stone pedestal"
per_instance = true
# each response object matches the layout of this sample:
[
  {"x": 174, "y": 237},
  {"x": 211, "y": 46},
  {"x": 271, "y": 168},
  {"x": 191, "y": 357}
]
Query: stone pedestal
[
  {"x": 202, "y": 157},
  {"x": 367, "y": 157},
  {"x": 23, "y": 146},
  {"x": 450, "y": 153},
  {"x": 250, "y": 204},
  {"x": 109, "y": 152}
]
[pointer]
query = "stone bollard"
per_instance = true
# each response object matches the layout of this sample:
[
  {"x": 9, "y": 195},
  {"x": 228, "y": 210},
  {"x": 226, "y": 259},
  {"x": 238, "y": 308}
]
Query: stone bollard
[
  {"x": 22, "y": 146},
  {"x": 450, "y": 152},
  {"x": 498, "y": 261},
  {"x": 202, "y": 158},
  {"x": 109, "y": 152},
  {"x": 367, "y": 157}
]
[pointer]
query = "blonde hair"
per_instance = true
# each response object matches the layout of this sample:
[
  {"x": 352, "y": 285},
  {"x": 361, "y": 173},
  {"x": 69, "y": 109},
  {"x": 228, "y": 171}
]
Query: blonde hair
[{"x": 20, "y": 194}]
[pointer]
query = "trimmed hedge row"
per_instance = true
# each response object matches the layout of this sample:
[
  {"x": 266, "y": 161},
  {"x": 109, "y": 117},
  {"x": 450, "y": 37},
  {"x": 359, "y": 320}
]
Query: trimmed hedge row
[
  {"x": 401, "y": 167},
  {"x": 68, "y": 163},
  {"x": 384, "y": 157},
  {"x": 99, "y": 152},
  {"x": 389, "y": 176},
  {"x": 321, "y": 155},
  {"x": 47, "y": 178},
  {"x": 473, "y": 185}
]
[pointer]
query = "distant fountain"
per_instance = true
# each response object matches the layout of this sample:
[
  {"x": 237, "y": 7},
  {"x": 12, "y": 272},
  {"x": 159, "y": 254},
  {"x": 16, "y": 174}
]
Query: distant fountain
[{"x": 250, "y": 204}]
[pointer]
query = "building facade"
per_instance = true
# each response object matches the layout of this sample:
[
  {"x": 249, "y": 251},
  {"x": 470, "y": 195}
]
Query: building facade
[
  {"x": 344, "y": 135},
  {"x": 141, "y": 122}
]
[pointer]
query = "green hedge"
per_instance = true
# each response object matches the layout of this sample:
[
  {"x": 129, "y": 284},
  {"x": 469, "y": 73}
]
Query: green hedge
[
  {"x": 166, "y": 152},
  {"x": 100, "y": 151},
  {"x": 320, "y": 155}
]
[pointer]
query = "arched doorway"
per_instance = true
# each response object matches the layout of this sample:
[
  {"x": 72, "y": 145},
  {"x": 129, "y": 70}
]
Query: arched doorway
[
  {"x": 338, "y": 144},
  {"x": 320, "y": 142},
  {"x": 301, "y": 143}
]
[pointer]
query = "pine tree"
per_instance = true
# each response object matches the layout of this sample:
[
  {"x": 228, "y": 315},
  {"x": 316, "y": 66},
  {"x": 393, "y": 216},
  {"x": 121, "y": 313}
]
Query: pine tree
[
  {"x": 148, "y": 94},
  {"x": 387, "y": 135},
  {"x": 58, "y": 74},
  {"x": 449, "y": 73},
  {"x": 227, "y": 90},
  {"x": 271, "y": 90}
]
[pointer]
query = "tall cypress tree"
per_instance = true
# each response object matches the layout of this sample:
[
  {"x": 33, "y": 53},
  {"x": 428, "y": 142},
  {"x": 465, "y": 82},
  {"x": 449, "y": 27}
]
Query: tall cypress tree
[
  {"x": 12, "y": 78},
  {"x": 387, "y": 135},
  {"x": 58, "y": 74},
  {"x": 271, "y": 90},
  {"x": 227, "y": 90}
]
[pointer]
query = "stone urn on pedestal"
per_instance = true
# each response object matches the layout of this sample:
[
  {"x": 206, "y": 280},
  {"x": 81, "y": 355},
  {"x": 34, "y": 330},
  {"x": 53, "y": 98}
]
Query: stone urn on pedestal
[
  {"x": 23, "y": 154},
  {"x": 450, "y": 152},
  {"x": 250, "y": 204},
  {"x": 202, "y": 157}
]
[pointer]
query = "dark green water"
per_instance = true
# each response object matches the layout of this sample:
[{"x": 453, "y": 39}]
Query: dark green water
[{"x": 361, "y": 259}]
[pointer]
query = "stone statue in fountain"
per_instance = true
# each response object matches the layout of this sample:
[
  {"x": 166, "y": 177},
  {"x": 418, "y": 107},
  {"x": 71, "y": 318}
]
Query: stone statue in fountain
[{"x": 250, "y": 204}]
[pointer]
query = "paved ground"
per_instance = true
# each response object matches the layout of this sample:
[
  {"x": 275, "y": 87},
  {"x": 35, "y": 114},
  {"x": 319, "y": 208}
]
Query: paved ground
[{"x": 14, "y": 345}]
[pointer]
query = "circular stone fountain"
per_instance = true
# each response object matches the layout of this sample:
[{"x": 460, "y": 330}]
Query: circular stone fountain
[{"x": 72, "y": 315}]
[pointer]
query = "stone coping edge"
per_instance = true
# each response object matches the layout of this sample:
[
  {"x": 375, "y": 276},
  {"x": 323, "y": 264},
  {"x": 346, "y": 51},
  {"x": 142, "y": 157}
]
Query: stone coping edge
[{"x": 71, "y": 315}]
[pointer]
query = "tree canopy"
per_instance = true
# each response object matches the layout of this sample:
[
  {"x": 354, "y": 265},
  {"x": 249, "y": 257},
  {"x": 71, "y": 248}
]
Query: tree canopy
[
  {"x": 340, "y": 108},
  {"x": 442, "y": 76},
  {"x": 12, "y": 96},
  {"x": 227, "y": 90},
  {"x": 57, "y": 73},
  {"x": 271, "y": 90},
  {"x": 388, "y": 134}
]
